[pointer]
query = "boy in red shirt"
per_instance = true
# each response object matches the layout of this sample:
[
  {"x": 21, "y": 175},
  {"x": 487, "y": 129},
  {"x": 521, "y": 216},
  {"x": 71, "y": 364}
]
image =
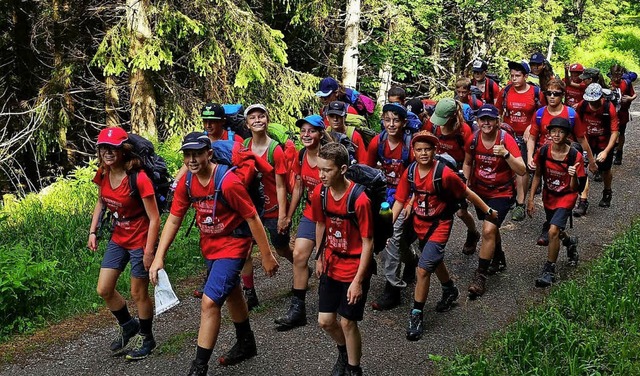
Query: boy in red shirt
[
  {"x": 336, "y": 113},
  {"x": 628, "y": 95},
  {"x": 560, "y": 167},
  {"x": 487, "y": 86},
  {"x": 223, "y": 213},
  {"x": 432, "y": 221},
  {"x": 345, "y": 255},
  {"x": 465, "y": 95},
  {"x": 575, "y": 85}
]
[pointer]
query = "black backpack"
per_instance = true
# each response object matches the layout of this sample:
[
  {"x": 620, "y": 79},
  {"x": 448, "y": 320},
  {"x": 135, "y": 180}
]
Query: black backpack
[
  {"x": 441, "y": 163},
  {"x": 571, "y": 160},
  {"x": 156, "y": 169},
  {"x": 374, "y": 183}
]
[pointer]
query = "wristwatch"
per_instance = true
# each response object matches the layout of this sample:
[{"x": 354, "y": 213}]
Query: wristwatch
[
  {"x": 490, "y": 212},
  {"x": 506, "y": 155}
]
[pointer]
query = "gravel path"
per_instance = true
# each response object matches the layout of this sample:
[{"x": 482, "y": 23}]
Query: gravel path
[{"x": 308, "y": 350}]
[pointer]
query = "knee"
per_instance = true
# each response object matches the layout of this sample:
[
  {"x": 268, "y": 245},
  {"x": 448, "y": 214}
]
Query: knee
[
  {"x": 139, "y": 294},
  {"x": 208, "y": 307},
  {"x": 326, "y": 323},
  {"x": 300, "y": 258},
  {"x": 422, "y": 273},
  {"x": 554, "y": 232},
  {"x": 488, "y": 234},
  {"x": 348, "y": 325},
  {"x": 105, "y": 293}
]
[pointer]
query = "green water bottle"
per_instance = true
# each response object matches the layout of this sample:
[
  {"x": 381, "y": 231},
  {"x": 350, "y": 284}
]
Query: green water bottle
[{"x": 385, "y": 212}]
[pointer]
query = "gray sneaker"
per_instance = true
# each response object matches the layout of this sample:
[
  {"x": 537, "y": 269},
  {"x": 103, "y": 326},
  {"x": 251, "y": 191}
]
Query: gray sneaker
[
  {"x": 571, "y": 243},
  {"x": 125, "y": 332},
  {"x": 548, "y": 276}
]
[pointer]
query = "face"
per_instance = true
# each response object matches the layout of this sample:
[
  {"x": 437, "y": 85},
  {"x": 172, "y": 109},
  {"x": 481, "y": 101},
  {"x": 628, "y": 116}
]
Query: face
[
  {"x": 257, "y": 121},
  {"x": 575, "y": 77},
  {"x": 487, "y": 124},
  {"x": 558, "y": 135},
  {"x": 329, "y": 172},
  {"x": 596, "y": 104},
  {"x": 462, "y": 92},
  {"x": 310, "y": 135},
  {"x": 336, "y": 122},
  {"x": 536, "y": 68},
  {"x": 110, "y": 155},
  {"x": 392, "y": 123},
  {"x": 196, "y": 160},
  {"x": 212, "y": 125},
  {"x": 479, "y": 76},
  {"x": 554, "y": 96},
  {"x": 329, "y": 98},
  {"x": 616, "y": 76},
  {"x": 395, "y": 99},
  {"x": 518, "y": 79},
  {"x": 424, "y": 152}
]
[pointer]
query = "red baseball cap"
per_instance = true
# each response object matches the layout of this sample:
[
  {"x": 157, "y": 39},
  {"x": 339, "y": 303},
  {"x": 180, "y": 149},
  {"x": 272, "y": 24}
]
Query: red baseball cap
[
  {"x": 576, "y": 67},
  {"x": 113, "y": 136}
]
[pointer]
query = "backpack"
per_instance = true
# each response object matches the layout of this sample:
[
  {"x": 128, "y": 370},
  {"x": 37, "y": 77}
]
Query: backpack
[
  {"x": 437, "y": 131},
  {"x": 429, "y": 106},
  {"x": 358, "y": 123},
  {"x": 570, "y": 110},
  {"x": 536, "y": 94},
  {"x": 156, "y": 169},
  {"x": 476, "y": 95},
  {"x": 363, "y": 104},
  {"x": 406, "y": 142},
  {"x": 606, "y": 117},
  {"x": 374, "y": 183},
  {"x": 571, "y": 160},
  {"x": 630, "y": 78},
  {"x": 234, "y": 114},
  {"x": 442, "y": 161}
]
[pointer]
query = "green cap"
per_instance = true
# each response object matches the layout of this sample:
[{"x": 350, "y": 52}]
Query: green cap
[{"x": 445, "y": 108}]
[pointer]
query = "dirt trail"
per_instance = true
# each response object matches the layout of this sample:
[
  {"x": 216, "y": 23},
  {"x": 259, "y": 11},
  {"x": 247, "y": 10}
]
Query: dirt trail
[{"x": 308, "y": 350}]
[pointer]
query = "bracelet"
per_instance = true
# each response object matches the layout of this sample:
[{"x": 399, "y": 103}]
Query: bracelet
[
  {"x": 490, "y": 212},
  {"x": 92, "y": 233}
]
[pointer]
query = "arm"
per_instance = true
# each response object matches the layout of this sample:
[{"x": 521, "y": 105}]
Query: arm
[
  {"x": 354, "y": 293},
  {"x": 479, "y": 203},
  {"x": 586, "y": 147},
  {"x": 532, "y": 192},
  {"x": 517, "y": 165},
  {"x": 466, "y": 167},
  {"x": 396, "y": 209},
  {"x": 296, "y": 195},
  {"x": 92, "y": 243},
  {"x": 531, "y": 145},
  {"x": 181, "y": 172},
  {"x": 269, "y": 263},
  {"x": 281, "y": 191},
  {"x": 151, "y": 208},
  {"x": 171, "y": 227},
  {"x": 320, "y": 228}
]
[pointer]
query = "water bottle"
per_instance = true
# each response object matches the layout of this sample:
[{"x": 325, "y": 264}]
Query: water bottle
[{"x": 385, "y": 212}]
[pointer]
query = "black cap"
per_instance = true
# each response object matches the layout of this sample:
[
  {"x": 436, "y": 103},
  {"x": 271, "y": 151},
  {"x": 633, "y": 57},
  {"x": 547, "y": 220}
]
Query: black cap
[
  {"x": 212, "y": 111},
  {"x": 559, "y": 122},
  {"x": 396, "y": 108},
  {"x": 337, "y": 108},
  {"x": 415, "y": 105},
  {"x": 196, "y": 141}
]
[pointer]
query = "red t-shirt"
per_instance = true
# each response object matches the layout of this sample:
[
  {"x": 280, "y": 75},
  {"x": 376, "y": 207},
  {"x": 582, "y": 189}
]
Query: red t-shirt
[
  {"x": 469, "y": 100},
  {"x": 625, "y": 90},
  {"x": 342, "y": 236},
  {"x": 519, "y": 107},
  {"x": 557, "y": 193},
  {"x": 216, "y": 239},
  {"x": 590, "y": 124},
  {"x": 427, "y": 206},
  {"x": 491, "y": 176},
  {"x": 450, "y": 143},
  {"x": 573, "y": 95},
  {"x": 128, "y": 234},
  {"x": 310, "y": 177},
  {"x": 269, "y": 180},
  {"x": 486, "y": 94},
  {"x": 392, "y": 164},
  {"x": 541, "y": 134}
]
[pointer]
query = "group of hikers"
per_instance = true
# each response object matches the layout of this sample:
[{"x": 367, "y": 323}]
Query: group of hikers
[{"x": 493, "y": 147}]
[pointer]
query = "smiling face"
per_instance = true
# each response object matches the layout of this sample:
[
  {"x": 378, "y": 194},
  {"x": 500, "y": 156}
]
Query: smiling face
[
  {"x": 536, "y": 68},
  {"x": 424, "y": 152},
  {"x": 196, "y": 160},
  {"x": 392, "y": 123},
  {"x": 211, "y": 126},
  {"x": 310, "y": 136},
  {"x": 111, "y": 156},
  {"x": 487, "y": 124},
  {"x": 329, "y": 172},
  {"x": 558, "y": 135},
  {"x": 257, "y": 121}
]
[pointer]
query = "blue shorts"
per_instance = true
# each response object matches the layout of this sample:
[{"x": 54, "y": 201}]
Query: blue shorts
[
  {"x": 278, "y": 240},
  {"x": 224, "y": 276},
  {"x": 306, "y": 229},
  {"x": 431, "y": 257},
  {"x": 332, "y": 298},
  {"x": 116, "y": 257},
  {"x": 558, "y": 217},
  {"x": 502, "y": 205}
]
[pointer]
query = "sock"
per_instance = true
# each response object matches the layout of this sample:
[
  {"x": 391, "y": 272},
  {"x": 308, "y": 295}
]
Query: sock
[
  {"x": 242, "y": 328},
  {"x": 418, "y": 305},
  {"x": 203, "y": 355},
  {"x": 300, "y": 294},
  {"x": 247, "y": 281},
  {"x": 145, "y": 326},
  {"x": 122, "y": 315},
  {"x": 342, "y": 349},
  {"x": 354, "y": 368},
  {"x": 483, "y": 265},
  {"x": 448, "y": 284}
]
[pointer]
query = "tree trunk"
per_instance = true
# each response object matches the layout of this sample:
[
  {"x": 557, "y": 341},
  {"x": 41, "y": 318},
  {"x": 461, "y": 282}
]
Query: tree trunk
[
  {"x": 550, "y": 48},
  {"x": 142, "y": 95},
  {"x": 112, "y": 101},
  {"x": 350, "y": 57},
  {"x": 386, "y": 69}
]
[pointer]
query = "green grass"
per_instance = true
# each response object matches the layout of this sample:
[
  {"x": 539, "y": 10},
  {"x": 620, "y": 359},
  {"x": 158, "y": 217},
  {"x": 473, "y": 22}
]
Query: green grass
[
  {"x": 177, "y": 342},
  {"x": 588, "y": 326}
]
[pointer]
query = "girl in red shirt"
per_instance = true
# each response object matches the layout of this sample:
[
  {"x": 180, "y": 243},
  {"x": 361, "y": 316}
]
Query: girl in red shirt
[
  {"x": 492, "y": 159},
  {"x": 135, "y": 231},
  {"x": 628, "y": 96}
]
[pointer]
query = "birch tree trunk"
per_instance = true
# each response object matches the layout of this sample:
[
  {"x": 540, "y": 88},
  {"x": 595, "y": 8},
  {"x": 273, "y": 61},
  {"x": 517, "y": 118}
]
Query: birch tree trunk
[
  {"x": 386, "y": 69},
  {"x": 350, "y": 57},
  {"x": 142, "y": 95}
]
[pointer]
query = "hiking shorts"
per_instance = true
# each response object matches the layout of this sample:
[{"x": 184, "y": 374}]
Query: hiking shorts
[
  {"x": 224, "y": 276},
  {"x": 558, "y": 217},
  {"x": 278, "y": 240},
  {"x": 431, "y": 257},
  {"x": 501, "y": 204},
  {"x": 523, "y": 148},
  {"x": 306, "y": 229},
  {"x": 116, "y": 257},
  {"x": 607, "y": 163},
  {"x": 332, "y": 298}
]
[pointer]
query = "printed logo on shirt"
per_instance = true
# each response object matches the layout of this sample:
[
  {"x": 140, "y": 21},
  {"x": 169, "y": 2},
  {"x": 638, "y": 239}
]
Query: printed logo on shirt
[{"x": 336, "y": 239}]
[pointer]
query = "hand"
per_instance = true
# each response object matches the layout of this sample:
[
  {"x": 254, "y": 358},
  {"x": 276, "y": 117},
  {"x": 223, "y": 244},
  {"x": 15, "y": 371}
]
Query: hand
[
  {"x": 270, "y": 265},
  {"x": 531, "y": 208},
  {"x": 354, "y": 293},
  {"x": 147, "y": 260},
  {"x": 499, "y": 150},
  {"x": 319, "y": 266},
  {"x": 527, "y": 134},
  {"x": 283, "y": 224},
  {"x": 494, "y": 214},
  {"x": 601, "y": 156},
  {"x": 153, "y": 270},
  {"x": 593, "y": 167},
  {"x": 531, "y": 164},
  {"x": 92, "y": 243},
  {"x": 625, "y": 99},
  {"x": 572, "y": 169}
]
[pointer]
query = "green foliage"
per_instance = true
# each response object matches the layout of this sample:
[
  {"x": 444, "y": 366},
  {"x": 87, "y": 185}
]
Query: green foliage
[{"x": 587, "y": 326}]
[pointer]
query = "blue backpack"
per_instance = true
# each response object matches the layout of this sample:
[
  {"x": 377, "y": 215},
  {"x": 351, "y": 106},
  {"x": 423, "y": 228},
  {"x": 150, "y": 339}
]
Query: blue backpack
[{"x": 570, "y": 110}]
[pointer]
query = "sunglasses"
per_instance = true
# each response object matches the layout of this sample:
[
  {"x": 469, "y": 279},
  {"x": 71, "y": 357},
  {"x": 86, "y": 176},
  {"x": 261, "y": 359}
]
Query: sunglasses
[
  {"x": 107, "y": 148},
  {"x": 554, "y": 93}
]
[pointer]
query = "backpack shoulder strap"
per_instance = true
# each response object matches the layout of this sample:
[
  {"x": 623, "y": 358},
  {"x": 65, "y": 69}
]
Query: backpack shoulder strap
[
  {"x": 187, "y": 183},
  {"x": 349, "y": 131},
  {"x": 505, "y": 91},
  {"x": 573, "y": 155},
  {"x": 272, "y": 148},
  {"x": 351, "y": 201},
  {"x": 323, "y": 198},
  {"x": 384, "y": 136},
  {"x": 246, "y": 142},
  {"x": 411, "y": 175},
  {"x": 539, "y": 114},
  {"x": 572, "y": 116},
  {"x": 301, "y": 155},
  {"x": 490, "y": 88},
  {"x": 437, "y": 178},
  {"x": 406, "y": 145},
  {"x": 536, "y": 95},
  {"x": 219, "y": 175},
  {"x": 133, "y": 184},
  {"x": 582, "y": 108},
  {"x": 542, "y": 159},
  {"x": 230, "y": 135}
]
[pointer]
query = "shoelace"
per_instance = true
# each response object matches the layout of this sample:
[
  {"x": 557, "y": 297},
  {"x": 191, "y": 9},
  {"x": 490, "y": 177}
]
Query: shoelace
[{"x": 136, "y": 342}]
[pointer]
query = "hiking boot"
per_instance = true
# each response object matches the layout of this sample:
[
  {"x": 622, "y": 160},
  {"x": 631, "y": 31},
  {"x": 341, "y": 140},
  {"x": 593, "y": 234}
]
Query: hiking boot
[
  {"x": 449, "y": 297},
  {"x": 543, "y": 239},
  {"x": 617, "y": 157},
  {"x": 251, "y": 297},
  {"x": 471, "y": 243},
  {"x": 478, "y": 284},
  {"x": 518, "y": 213},
  {"x": 415, "y": 328},
  {"x": 244, "y": 348},
  {"x": 498, "y": 263},
  {"x": 389, "y": 299},
  {"x": 340, "y": 368},
  {"x": 581, "y": 209},
  {"x": 198, "y": 369},
  {"x": 606, "y": 198},
  {"x": 353, "y": 372},
  {"x": 296, "y": 316},
  {"x": 125, "y": 332},
  {"x": 198, "y": 292},
  {"x": 597, "y": 176},
  {"x": 548, "y": 276},
  {"x": 142, "y": 346},
  {"x": 571, "y": 243}
]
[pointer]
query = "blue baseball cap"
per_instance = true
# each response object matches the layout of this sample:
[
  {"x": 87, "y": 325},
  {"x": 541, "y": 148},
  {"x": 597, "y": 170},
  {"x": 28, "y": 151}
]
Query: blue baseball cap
[
  {"x": 315, "y": 121},
  {"x": 521, "y": 66},
  {"x": 195, "y": 141},
  {"x": 396, "y": 108},
  {"x": 537, "y": 58},
  {"x": 488, "y": 110},
  {"x": 327, "y": 86}
]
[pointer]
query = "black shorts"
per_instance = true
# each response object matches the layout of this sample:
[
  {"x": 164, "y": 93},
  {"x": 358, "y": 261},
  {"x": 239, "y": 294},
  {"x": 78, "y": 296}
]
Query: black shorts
[
  {"x": 333, "y": 298},
  {"x": 558, "y": 217},
  {"x": 608, "y": 162},
  {"x": 501, "y": 204}
]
